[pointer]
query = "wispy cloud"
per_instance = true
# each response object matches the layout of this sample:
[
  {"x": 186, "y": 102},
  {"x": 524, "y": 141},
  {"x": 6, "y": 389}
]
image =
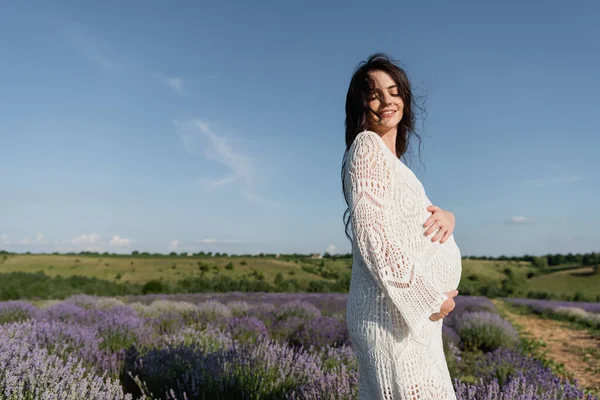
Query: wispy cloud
[
  {"x": 96, "y": 242},
  {"x": 4, "y": 239},
  {"x": 86, "y": 239},
  {"x": 176, "y": 84},
  {"x": 218, "y": 149},
  {"x": 520, "y": 220},
  {"x": 92, "y": 48},
  {"x": 554, "y": 181},
  {"x": 220, "y": 241},
  {"x": 331, "y": 249},
  {"x": 174, "y": 245},
  {"x": 118, "y": 241}
]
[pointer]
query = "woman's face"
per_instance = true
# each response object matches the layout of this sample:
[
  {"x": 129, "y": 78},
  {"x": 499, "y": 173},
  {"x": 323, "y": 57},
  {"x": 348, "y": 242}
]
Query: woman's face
[{"x": 386, "y": 104}]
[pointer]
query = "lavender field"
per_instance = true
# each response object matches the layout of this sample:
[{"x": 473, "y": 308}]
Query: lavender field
[
  {"x": 237, "y": 346},
  {"x": 587, "y": 314}
]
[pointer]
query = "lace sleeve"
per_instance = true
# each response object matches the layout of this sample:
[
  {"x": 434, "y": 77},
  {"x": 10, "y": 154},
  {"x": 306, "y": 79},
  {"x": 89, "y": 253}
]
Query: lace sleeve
[{"x": 396, "y": 271}]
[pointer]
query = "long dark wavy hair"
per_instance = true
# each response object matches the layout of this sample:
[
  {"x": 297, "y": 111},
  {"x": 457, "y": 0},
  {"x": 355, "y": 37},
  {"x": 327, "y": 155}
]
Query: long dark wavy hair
[{"x": 361, "y": 89}]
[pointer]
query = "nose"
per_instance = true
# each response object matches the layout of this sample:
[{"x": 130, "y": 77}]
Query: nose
[{"x": 387, "y": 99}]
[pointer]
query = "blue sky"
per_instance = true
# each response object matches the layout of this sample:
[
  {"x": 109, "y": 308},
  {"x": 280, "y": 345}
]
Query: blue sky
[{"x": 193, "y": 126}]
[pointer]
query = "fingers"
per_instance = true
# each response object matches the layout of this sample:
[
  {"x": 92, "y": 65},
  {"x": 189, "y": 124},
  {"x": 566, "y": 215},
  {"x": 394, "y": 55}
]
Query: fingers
[
  {"x": 441, "y": 232},
  {"x": 446, "y": 236},
  {"x": 429, "y": 221},
  {"x": 452, "y": 293},
  {"x": 432, "y": 218},
  {"x": 437, "y": 316},
  {"x": 432, "y": 228}
]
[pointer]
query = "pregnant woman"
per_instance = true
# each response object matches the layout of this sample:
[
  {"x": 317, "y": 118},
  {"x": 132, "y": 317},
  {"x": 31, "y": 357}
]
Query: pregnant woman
[{"x": 406, "y": 265}]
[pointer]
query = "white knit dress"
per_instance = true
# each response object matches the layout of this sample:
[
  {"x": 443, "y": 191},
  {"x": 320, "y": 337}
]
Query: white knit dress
[{"x": 398, "y": 278}]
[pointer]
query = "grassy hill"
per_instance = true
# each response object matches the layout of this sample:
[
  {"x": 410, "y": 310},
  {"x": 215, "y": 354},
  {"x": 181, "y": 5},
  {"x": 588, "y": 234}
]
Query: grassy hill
[
  {"x": 568, "y": 282},
  {"x": 490, "y": 278},
  {"x": 172, "y": 268}
]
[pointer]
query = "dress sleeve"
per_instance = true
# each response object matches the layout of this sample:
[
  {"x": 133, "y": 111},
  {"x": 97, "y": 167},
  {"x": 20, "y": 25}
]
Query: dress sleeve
[{"x": 396, "y": 271}]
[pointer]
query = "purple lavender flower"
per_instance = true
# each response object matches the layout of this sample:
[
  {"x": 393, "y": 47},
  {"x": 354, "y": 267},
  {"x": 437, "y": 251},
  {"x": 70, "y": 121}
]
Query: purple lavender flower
[
  {"x": 264, "y": 370},
  {"x": 166, "y": 322},
  {"x": 299, "y": 309},
  {"x": 120, "y": 327},
  {"x": 65, "y": 312},
  {"x": 322, "y": 332},
  {"x": 341, "y": 383},
  {"x": 209, "y": 339},
  {"x": 15, "y": 311},
  {"x": 450, "y": 335},
  {"x": 486, "y": 331},
  {"x": 285, "y": 330},
  {"x": 541, "y": 305},
  {"x": 65, "y": 339},
  {"x": 466, "y": 304},
  {"x": 246, "y": 329},
  {"x": 28, "y": 372},
  {"x": 517, "y": 387}
]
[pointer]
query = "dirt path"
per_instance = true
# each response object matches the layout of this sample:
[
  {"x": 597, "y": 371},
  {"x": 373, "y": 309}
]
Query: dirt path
[{"x": 577, "y": 350}]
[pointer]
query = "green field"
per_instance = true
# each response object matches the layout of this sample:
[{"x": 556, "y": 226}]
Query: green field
[
  {"x": 143, "y": 269},
  {"x": 569, "y": 282},
  {"x": 492, "y": 278}
]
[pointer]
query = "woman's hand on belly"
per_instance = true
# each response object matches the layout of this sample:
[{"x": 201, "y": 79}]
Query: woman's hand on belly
[{"x": 441, "y": 220}]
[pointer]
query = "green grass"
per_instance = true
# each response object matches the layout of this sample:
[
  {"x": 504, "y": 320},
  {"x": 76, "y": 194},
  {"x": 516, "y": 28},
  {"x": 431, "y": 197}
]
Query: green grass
[
  {"x": 143, "y": 269},
  {"x": 492, "y": 278},
  {"x": 568, "y": 282}
]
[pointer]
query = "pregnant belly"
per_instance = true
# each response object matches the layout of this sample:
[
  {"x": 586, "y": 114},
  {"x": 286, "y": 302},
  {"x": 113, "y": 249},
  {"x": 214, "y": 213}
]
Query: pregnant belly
[{"x": 453, "y": 264}]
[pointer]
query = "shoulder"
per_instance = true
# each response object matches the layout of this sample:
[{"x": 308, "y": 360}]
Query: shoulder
[
  {"x": 369, "y": 147},
  {"x": 368, "y": 139}
]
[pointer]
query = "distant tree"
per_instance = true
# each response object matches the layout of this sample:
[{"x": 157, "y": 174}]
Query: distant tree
[
  {"x": 278, "y": 279},
  {"x": 135, "y": 253},
  {"x": 559, "y": 259},
  {"x": 172, "y": 254},
  {"x": 540, "y": 262},
  {"x": 326, "y": 255}
]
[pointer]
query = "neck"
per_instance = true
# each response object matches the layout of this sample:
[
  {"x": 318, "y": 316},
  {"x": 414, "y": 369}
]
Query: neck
[{"x": 389, "y": 138}]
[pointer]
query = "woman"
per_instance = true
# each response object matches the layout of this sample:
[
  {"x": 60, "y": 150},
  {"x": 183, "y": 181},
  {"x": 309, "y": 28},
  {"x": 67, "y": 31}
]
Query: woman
[{"x": 403, "y": 278}]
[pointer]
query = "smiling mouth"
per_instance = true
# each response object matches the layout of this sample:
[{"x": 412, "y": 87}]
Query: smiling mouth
[{"x": 387, "y": 114}]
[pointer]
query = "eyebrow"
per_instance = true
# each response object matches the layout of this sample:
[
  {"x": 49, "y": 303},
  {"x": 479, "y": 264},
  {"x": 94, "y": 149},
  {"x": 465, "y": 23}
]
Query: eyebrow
[{"x": 392, "y": 87}]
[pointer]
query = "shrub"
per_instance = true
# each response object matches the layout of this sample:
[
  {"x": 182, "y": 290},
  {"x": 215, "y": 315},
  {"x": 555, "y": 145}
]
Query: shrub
[
  {"x": 153, "y": 286},
  {"x": 485, "y": 331},
  {"x": 16, "y": 311}
]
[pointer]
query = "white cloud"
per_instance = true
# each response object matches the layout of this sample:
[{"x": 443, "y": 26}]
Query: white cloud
[
  {"x": 521, "y": 220},
  {"x": 24, "y": 241},
  {"x": 221, "y": 241},
  {"x": 91, "y": 48},
  {"x": 331, "y": 249},
  {"x": 39, "y": 237},
  {"x": 96, "y": 242},
  {"x": 176, "y": 84},
  {"x": 217, "y": 148},
  {"x": 91, "y": 239},
  {"x": 174, "y": 245},
  {"x": 4, "y": 239},
  {"x": 118, "y": 241}
]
